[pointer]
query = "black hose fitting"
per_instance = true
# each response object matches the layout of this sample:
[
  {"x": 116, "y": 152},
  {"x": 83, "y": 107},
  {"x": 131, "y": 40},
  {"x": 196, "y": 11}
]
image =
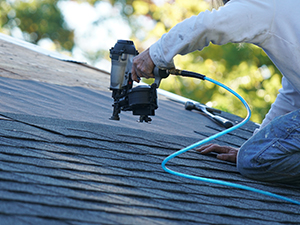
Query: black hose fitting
[{"x": 186, "y": 73}]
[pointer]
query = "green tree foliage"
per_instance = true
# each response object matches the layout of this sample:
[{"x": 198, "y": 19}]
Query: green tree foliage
[
  {"x": 37, "y": 19},
  {"x": 245, "y": 68}
]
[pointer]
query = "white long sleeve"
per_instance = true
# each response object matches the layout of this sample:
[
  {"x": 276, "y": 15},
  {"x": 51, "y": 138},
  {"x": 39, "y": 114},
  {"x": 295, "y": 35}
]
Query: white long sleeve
[
  {"x": 273, "y": 25},
  {"x": 218, "y": 26}
]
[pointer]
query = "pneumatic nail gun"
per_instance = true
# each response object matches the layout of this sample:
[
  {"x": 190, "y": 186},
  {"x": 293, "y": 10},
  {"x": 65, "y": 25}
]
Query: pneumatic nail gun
[{"x": 141, "y": 100}]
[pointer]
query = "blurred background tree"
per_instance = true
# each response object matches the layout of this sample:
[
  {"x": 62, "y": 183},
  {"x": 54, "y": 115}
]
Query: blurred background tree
[
  {"x": 88, "y": 29},
  {"x": 37, "y": 20}
]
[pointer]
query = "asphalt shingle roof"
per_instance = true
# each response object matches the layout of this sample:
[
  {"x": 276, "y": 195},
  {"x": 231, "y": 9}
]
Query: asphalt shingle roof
[{"x": 62, "y": 161}]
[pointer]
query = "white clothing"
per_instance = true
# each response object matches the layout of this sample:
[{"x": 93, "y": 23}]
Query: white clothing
[{"x": 272, "y": 25}]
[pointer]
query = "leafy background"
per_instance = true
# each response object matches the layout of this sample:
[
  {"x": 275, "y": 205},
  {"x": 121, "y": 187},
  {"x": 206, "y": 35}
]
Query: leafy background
[{"x": 243, "y": 67}]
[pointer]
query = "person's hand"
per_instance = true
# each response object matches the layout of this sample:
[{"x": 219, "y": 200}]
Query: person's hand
[
  {"x": 226, "y": 153},
  {"x": 142, "y": 66}
]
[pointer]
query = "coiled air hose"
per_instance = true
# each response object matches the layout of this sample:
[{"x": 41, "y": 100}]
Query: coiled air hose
[{"x": 197, "y": 144}]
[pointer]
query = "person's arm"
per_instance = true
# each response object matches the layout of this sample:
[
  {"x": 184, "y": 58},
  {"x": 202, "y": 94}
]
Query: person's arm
[{"x": 237, "y": 22}]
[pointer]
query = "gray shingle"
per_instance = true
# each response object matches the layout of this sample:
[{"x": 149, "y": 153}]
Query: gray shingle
[{"x": 72, "y": 167}]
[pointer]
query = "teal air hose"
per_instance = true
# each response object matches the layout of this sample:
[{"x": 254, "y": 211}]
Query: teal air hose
[{"x": 197, "y": 144}]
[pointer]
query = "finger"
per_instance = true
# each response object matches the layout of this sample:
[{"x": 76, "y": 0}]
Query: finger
[
  {"x": 134, "y": 75},
  {"x": 144, "y": 70},
  {"x": 134, "y": 70},
  {"x": 215, "y": 148},
  {"x": 203, "y": 147},
  {"x": 146, "y": 75},
  {"x": 227, "y": 157}
]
